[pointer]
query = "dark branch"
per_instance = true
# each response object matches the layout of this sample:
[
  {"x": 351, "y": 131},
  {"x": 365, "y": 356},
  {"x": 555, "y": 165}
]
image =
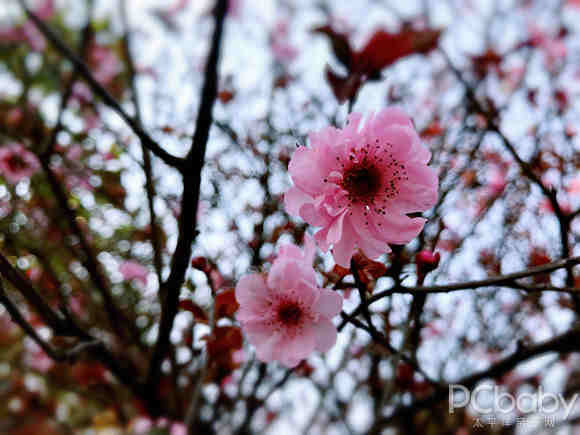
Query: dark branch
[{"x": 189, "y": 203}]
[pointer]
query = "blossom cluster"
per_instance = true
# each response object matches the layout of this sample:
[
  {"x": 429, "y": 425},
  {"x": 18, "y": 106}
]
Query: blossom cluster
[{"x": 359, "y": 185}]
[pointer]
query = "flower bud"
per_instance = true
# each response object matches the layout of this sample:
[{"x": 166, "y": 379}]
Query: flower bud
[{"x": 427, "y": 261}]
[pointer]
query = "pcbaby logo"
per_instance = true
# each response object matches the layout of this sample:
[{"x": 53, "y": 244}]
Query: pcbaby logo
[{"x": 493, "y": 400}]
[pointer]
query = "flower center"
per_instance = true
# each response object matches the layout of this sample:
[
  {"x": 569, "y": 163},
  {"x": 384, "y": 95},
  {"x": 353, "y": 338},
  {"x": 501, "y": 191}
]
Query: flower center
[
  {"x": 16, "y": 163},
  {"x": 362, "y": 183},
  {"x": 290, "y": 313}
]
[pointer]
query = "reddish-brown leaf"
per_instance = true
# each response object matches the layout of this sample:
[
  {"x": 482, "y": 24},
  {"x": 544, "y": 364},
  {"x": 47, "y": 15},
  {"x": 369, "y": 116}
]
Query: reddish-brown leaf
[
  {"x": 539, "y": 257},
  {"x": 385, "y": 48},
  {"x": 224, "y": 340},
  {"x": 340, "y": 45},
  {"x": 382, "y": 50},
  {"x": 198, "y": 312},
  {"x": 344, "y": 88},
  {"x": 368, "y": 270},
  {"x": 225, "y": 96},
  {"x": 225, "y": 303},
  {"x": 432, "y": 130},
  {"x": 486, "y": 62}
]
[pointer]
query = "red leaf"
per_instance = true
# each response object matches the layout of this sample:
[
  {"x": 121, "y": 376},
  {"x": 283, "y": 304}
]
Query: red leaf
[
  {"x": 368, "y": 270},
  {"x": 340, "y": 45},
  {"x": 340, "y": 272},
  {"x": 224, "y": 340},
  {"x": 539, "y": 257},
  {"x": 226, "y": 304},
  {"x": 88, "y": 373},
  {"x": 432, "y": 130},
  {"x": 344, "y": 88},
  {"x": 486, "y": 62},
  {"x": 382, "y": 50},
  {"x": 198, "y": 312},
  {"x": 225, "y": 96},
  {"x": 385, "y": 48}
]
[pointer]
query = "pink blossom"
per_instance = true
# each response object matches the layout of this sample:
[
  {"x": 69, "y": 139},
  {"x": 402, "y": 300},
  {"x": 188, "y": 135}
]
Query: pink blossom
[
  {"x": 553, "y": 48},
  {"x": 36, "y": 358},
  {"x": 17, "y": 163},
  {"x": 283, "y": 51},
  {"x": 359, "y": 183},
  {"x": 45, "y": 10},
  {"x": 285, "y": 315},
  {"x": 574, "y": 187},
  {"x": 27, "y": 33},
  {"x": 82, "y": 92},
  {"x": 106, "y": 64},
  {"x": 234, "y": 8},
  {"x": 133, "y": 270}
]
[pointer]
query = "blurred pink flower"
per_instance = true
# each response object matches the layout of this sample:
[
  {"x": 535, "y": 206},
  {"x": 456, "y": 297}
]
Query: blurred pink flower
[
  {"x": 234, "y": 8},
  {"x": 26, "y": 33},
  {"x": 17, "y": 163},
  {"x": 106, "y": 64},
  {"x": 45, "y": 10},
  {"x": 36, "y": 358},
  {"x": 574, "y": 187},
  {"x": 286, "y": 316},
  {"x": 283, "y": 51},
  {"x": 553, "y": 48},
  {"x": 359, "y": 183},
  {"x": 133, "y": 270}
]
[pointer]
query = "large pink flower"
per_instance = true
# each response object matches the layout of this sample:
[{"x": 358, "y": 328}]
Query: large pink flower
[
  {"x": 285, "y": 315},
  {"x": 360, "y": 182},
  {"x": 17, "y": 163}
]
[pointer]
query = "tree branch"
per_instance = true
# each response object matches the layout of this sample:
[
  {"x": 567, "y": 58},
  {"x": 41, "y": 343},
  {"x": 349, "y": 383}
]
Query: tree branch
[
  {"x": 189, "y": 203},
  {"x": 568, "y": 342}
]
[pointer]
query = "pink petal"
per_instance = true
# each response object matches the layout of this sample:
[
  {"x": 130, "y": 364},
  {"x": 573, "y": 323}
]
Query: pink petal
[
  {"x": 286, "y": 274},
  {"x": 419, "y": 193},
  {"x": 251, "y": 288},
  {"x": 390, "y": 116},
  {"x": 397, "y": 228},
  {"x": 293, "y": 350},
  {"x": 343, "y": 250},
  {"x": 305, "y": 171},
  {"x": 325, "y": 335},
  {"x": 329, "y": 303},
  {"x": 294, "y": 199}
]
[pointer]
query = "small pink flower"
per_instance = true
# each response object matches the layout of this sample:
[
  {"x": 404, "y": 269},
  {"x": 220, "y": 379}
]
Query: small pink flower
[
  {"x": 360, "y": 182},
  {"x": 17, "y": 163},
  {"x": 45, "y": 10},
  {"x": 36, "y": 358},
  {"x": 283, "y": 51},
  {"x": 133, "y": 270},
  {"x": 106, "y": 64},
  {"x": 286, "y": 316},
  {"x": 553, "y": 48},
  {"x": 234, "y": 8},
  {"x": 574, "y": 187}
]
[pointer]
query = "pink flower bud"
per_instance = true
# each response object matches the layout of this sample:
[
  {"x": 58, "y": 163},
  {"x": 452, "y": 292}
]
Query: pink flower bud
[{"x": 427, "y": 261}]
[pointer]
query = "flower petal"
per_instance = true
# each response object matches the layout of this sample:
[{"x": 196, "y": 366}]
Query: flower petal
[
  {"x": 251, "y": 288},
  {"x": 325, "y": 335},
  {"x": 328, "y": 304}
]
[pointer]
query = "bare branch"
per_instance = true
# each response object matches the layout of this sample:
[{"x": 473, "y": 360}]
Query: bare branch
[{"x": 189, "y": 203}]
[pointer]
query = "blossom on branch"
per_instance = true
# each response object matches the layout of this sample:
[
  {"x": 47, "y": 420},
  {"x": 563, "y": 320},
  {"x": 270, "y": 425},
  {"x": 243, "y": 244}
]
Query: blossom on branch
[
  {"x": 17, "y": 163},
  {"x": 131, "y": 270},
  {"x": 360, "y": 182},
  {"x": 285, "y": 315}
]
